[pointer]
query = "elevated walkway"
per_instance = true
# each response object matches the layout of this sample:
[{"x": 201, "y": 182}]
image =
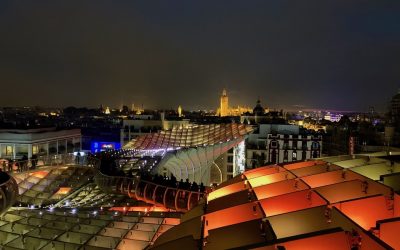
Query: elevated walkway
[{"x": 168, "y": 197}]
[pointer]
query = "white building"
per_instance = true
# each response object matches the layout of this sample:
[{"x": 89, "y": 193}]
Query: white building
[
  {"x": 273, "y": 143},
  {"x": 333, "y": 117},
  {"x": 16, "y": 143}
]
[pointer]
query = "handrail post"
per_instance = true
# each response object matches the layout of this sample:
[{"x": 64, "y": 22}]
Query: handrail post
[
  {"x": 176, "y": 199},
  {"x": 165, "y": 197},
  {"x": 154, "y": 194},
  {"x": 188, "y": 201}
]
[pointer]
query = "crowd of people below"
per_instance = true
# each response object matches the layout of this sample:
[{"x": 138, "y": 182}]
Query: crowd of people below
[
  {"x": 8, "y": 165},
  {"x": 108, "y": 166},
  {"x": 172, "y": 182}
]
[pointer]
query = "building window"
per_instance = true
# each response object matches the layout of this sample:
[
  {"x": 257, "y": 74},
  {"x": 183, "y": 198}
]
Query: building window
[
  {"x": 304, "y": 145},
  {"x": 61, "y": 147},
  {"x": 286, "y": 141},
  {"x": 21, "y": 150},
  {"x": 294, "y": 144},
  {"x": 294, "y": 156},
  {"x": 315, "y": 145},
  {"x": 77, "y": 146},
  {"x": 53, "y": 147},
  {"x": 229, "y": 168},
  {"x": 70, "y": 146},
  {"x": 285, "y": 156},
  {"x": 35, "y": 149},
  {"x": 229, "y": 176},
  {"x": 230, "y": 158},
  {"x": 273, "y": 157},
  {"x": 255, "y": 155},
  {"x": 304, "y": 155},
  {"x": 9, "y": 150},
  {"x": 43, "y": 149},
  {"x": 285, "y": 145}
]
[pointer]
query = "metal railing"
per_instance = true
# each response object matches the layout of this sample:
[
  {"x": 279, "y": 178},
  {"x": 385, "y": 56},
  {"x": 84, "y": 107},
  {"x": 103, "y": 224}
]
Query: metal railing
[
  {"x": 181, "y": 200},
  {"x": 20, "y": 166}
]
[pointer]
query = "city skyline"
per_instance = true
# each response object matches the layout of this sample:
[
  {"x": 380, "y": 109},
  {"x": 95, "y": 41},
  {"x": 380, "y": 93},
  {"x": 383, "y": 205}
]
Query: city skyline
[
  {"x": 337, "y": 55},
  {"x": 236, "y": 106}
]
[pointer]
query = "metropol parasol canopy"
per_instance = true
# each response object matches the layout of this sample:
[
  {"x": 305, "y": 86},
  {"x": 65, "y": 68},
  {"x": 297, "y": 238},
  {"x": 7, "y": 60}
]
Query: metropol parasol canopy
[{"x": 190, "y": 152}]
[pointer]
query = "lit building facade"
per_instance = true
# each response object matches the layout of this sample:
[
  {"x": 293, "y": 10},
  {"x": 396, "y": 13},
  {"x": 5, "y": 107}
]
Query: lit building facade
[
  {"x": 333, "y": 117},
  {"x": 273, "y": 143},
  {"x": 229, "y": 164},
  {"x": 17, "y": 143}
]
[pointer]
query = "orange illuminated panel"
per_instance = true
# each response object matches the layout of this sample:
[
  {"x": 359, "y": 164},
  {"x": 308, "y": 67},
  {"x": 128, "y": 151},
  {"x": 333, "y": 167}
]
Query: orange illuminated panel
[
  {"x": 232, "y": 215},
  {"x": 254, "y": 173},
  {"x": 389, "y": 233},
  {"x": 279, "y": 188},
  {"x": 268, "y": 179},
  {"x": 349, "y": 190},
  {"x": 365, "y": 212},
  {"x": 303, "y": 164},
  {"x": 329, "y": 178},
  {"x": 39, "y": 174},
  {"x": 63, "y": 191},
  {"x": 291, "y": 202},
  {"x": 316, "y": 169},
  {"x": 171, "y": 221},
  {"x": 332, "y": 241},
  {"x": 396, "y": 205},
  {"x": 230, "y": 189}
]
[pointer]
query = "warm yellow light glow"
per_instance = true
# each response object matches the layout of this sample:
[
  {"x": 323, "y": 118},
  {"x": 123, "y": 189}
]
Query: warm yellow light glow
[
  {"x": 230, "y": 189},
  {"x": 63, "y": 191},
  {"x": 268, "y": 179},
  {"x": 39, "y": 174}
]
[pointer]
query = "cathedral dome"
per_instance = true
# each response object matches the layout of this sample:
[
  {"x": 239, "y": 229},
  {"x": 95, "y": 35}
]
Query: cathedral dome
[{"x": 258, "y": 109}]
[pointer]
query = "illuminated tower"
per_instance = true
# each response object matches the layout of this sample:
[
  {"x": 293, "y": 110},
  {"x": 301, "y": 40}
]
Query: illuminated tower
[
  {"x": 107, "y": 111},
  {"x": 224, "y": 107},
  {"x": 180, "y": 111}
]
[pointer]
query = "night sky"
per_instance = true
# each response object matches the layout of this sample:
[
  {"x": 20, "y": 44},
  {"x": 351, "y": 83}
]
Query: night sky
[{"x": 338, "y": 54}]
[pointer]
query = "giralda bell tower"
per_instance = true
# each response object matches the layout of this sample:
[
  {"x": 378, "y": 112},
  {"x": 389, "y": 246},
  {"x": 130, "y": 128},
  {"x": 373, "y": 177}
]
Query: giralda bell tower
[{"x": 224, "y": 108}]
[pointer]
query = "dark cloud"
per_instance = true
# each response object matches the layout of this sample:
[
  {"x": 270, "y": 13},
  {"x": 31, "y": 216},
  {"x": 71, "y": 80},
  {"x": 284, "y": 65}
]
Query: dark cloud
[{"x": 331, "y": 54}]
